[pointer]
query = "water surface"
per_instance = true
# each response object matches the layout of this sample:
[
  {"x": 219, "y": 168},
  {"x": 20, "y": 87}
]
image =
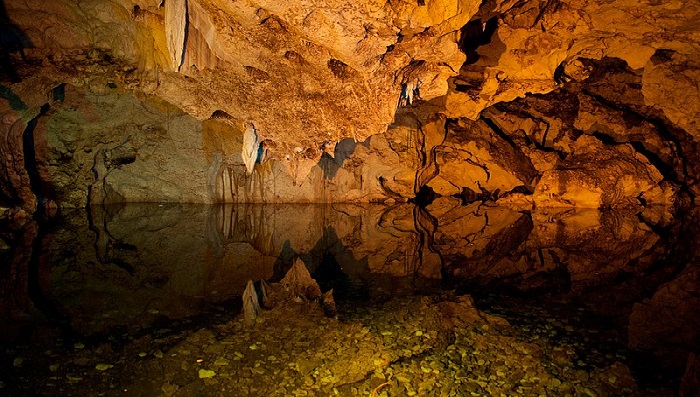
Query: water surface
[{"x": 620, "y": 286}]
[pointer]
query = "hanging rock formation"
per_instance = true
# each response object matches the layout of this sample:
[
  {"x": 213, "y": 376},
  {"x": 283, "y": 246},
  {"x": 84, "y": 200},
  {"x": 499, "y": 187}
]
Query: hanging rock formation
[{"x": 544, "y": 103}]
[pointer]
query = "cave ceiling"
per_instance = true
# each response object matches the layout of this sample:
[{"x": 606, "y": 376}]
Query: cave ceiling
[{"x": 298, "y": 77}]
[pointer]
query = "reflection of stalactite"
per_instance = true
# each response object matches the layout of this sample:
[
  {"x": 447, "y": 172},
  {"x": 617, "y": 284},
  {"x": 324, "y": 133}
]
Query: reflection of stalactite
[
  {"x": 246, "y": 223},
  {"x": 15, "y": 289},
  {"x": 427, "y": 155},
  {"x": 412, "y": 142},
  {"x": 426, "y": 225},
  {"x": 107, "y": 248},
  {"x": 96, "y": 190}
]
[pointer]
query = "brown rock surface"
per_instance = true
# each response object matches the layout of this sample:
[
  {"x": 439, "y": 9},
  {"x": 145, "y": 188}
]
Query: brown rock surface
[
  {"x": 369, "y": 91},
  {"x": 15, "y": 185},
  {"x": 474, "y": 157},
  {"x": 669, "y": 319}
]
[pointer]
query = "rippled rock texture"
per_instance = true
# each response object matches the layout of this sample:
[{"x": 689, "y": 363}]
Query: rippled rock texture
[{"x": 575, "y": 103}]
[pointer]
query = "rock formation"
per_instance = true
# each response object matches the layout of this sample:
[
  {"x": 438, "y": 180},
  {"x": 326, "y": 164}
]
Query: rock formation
[{"x": 549, "y": 103}]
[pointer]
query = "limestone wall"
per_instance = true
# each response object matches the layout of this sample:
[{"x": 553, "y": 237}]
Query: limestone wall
[{"x": 557, "y": 103}]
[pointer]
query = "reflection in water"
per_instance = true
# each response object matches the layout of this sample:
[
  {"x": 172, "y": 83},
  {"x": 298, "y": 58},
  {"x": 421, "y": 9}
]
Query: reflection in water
[{"x": 129, "y": 267}]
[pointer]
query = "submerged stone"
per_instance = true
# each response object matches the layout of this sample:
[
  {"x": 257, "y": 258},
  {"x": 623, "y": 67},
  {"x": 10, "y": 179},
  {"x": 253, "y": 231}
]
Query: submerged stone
[{"x": 206, "y": 373}]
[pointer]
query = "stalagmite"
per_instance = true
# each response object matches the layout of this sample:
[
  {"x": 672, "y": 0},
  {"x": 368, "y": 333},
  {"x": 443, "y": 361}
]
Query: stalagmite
[
  {"x": 251, "y": 305},
  {"x": 298, "y": 282}
]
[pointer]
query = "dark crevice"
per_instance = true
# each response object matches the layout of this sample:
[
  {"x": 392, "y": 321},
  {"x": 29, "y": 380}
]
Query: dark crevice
[
  {"x": 495, "y": 128},
  {"x": 521, "y": 189},
  {"x": 30, "y": 161},
  {"x": 661, "y": 127},
  {"x": 560, "y": 76},
  {"x": 666, "y": 170},
  {"x": 552, "y": 6},
  {"x": 469, "y": 196},
  {"x": 220, "y": 114},
  {"x": 662, "y": 56},
  {"x": 425, "y": 196},
  {"x": 58, "y": 93},
  {"x": 340, "y": 69},
  {"x": 475, "y": 34},
  {"x": 181, "y": 61},
  {"x": 13, "y": 99},
  {"x": 507, "y": 138}
]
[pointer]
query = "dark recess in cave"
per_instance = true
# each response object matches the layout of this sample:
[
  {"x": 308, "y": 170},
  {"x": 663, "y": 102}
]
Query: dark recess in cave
[
  {"x": 330, "y": 275},
  {"x": 662, "y": 56},
  {"x": 560, "y": 76},
  {"x": 30, "y": 162},
  {"x": 469, "y": 196},
  {"x": 425, "y": 196},
  {"x": 12, "y": 40},
  {"x": 475, "y": 34},
  {"x": 339, "y": 68},
  {"x": 220, "y": 114},
  {"x": 58, "y": 93},
  {"x": 666, "y": 170}
]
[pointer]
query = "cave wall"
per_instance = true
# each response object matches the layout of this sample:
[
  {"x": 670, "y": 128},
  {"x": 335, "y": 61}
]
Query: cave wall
[
  {"x": 533, "y": 104},
  {"x": 86, "y": 151}
]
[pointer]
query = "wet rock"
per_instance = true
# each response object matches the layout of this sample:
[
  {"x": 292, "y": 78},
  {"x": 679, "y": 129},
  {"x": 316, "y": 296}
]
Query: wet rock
[
  {"x": 15, "y": 178},
  {"x": 328, "y": 303},
  {"x": 4, "y": 246},
  {"x": 690, "y": 385},
  {"x": 461, "y": 312},
  {"x": 103, "y": 367},
  {"x": 251, "y": 304},
  {"x": 298, "y": 282},
  {"x": 670, "y": 316},
  {"x": 578, "y": 182},
  {"x": 473, "y": 156},
  {"x": 205, "y": 373}
]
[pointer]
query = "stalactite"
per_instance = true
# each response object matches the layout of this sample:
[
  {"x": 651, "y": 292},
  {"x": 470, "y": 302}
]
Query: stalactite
[
  {"x": 251, "y": 147},
  {"x": 233, "y": 197},
  {"x": 176, "y": 30},
  {"x": 236, "y": 183},
  {"x": 225, "y": 184},
  {"x": 219, "y": 192}
]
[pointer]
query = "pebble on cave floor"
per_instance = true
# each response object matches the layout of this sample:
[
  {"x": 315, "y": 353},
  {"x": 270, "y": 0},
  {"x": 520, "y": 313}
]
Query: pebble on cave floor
[{"x": 414, "y": 346}]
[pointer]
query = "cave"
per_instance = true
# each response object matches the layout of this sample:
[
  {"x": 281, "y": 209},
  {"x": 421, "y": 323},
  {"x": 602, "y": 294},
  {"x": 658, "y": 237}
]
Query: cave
[{"x": 332, "y": 197}]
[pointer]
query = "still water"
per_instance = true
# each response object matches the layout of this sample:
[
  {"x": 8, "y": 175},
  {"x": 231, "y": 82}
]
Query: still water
[{"x": 559, "y": 302}]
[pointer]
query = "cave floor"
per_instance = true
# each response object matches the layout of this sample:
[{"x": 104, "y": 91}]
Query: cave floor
[{"x": 414, "y": 346}]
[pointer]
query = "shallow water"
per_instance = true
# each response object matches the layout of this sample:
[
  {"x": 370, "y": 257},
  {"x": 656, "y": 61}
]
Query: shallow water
[{"x": 123, "y": 283}]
